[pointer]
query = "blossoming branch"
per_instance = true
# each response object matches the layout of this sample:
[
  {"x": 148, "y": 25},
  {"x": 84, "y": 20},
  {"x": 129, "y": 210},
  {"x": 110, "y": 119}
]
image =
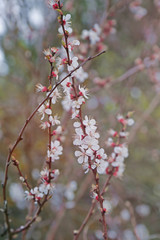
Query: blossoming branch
[{"x": 65, "y": 82}]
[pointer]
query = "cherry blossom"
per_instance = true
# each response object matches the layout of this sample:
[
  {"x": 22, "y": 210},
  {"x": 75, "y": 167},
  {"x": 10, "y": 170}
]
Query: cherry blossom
[
  {"x": 67, "y": 24},
  {"x": 81, "y": 75},
  {"x": 138, "y": 11},
  {"x": 55, "y": 95},
  {"x": 51, "y": 3},
  {"x": 113, "y": 133},
  {"x": 54, "y": 120},
  {"x": 56, "y": 150},
  {"x": 45, "y": 125},
  {"x": 78, "y": 103},
  {"x": 83, "y": 91},
  {"x": 72, "y": 44},
  {"x": 45, "y": 188},
  {"x": 82, "y": 156},
  {"x": 41, "y": 88},
  {"x": 58, "y": 131},
  {"x": 90, "y": 143},
  {"x": 93, "y": 34},
  {"x": 67, "y": 103},
  {"x": 48, "y": 54},
  {"x": 100, "y": 154},
  {"x": 107, "y": 206},
  {"x": 101, "y": 166},
  {"x": 28, "y": 195},
  {"x": 125, "y": 121},
  {"x": 44, "y": 110},
  {"x": 36, "y": 193},
  {"x": 74, "y": 64}
]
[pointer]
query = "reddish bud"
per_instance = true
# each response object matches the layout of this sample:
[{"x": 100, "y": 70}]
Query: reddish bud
[
  {"x": 54, "y": 74},
  {"x": 64, "y": 61},
  {"x": 38, "y": 198},
  {"x": 115, "y": 134},
  {"x": 44, "y": 89},
  {"x": 113, "y": 144},
  {"x": 55, "y": 6},
  {"x": 54, "y": 132},
  {"x": 68, "y": 84},
  {"x": 107, "y": 170},
  {"x": 71, "y": 96},
  {"x": 99, "y": 156},
  {"x": 122, "y": 121},
  {"x": 82, "y": 137},
  {"x": 116, "y": 171},
  {"x": 104, "y": 210}
]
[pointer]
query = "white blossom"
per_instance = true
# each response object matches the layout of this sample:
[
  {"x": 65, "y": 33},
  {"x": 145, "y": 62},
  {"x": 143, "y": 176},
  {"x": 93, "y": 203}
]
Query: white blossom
[
  {"x": 80, "y": 74},
  {"x": 45, "y": 188},
  {"x": 45, "y": 125},
  {"x": 82, "y": 156},
  {"x": 90, "y": 143},
  {"x": 28, "y": 195},
  {"x": 54, "y": 95},
  {"x": 93, "y": 34},
  {"x": 67, "y": 24},
  {"x": 83, "y": 91},
  {"x": 101, "y": 166},
  {"x": 67, "y": 103},
  {"x": 54, "y": 120},
  {"x": 56, "y": 150},
  {"x": 44, "y": 110}
]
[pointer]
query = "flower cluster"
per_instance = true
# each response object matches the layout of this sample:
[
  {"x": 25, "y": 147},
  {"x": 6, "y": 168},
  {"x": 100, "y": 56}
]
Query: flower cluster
[
  {"x": 45, "y": 188},
  {"x": 56, "y": 150},
  {"x": 90, "y": 154},
  {"x": 67, "y": 24},
  {"x": 138, "y": 11},
  {"x": 93, "y": 35},
  {"x": 152, "y": 64},
  {"x": 109, "y": 27},
  {"x": 120, "y": 150}
]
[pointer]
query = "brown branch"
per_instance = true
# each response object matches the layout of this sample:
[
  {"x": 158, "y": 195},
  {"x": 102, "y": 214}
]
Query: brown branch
[
  {"x": 133, "y": 219},
  {"x": 49, "y": 162},
  {"x": 100, "y": 199},
  {"x": 16, "y": 164},
  {"x": 29, "y": 223},
  {"x": 91, "y": 210},
  {"x": 89, "y": 214},
  {"x": 132, "y": 71},
  {"x": 59, "y": 217}
]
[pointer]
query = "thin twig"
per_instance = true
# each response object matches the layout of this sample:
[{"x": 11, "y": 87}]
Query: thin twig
[
  {"x": 91, "y": 210},
  {"x": 33, "y": 219},
  {"x": 133, "y": 219}
]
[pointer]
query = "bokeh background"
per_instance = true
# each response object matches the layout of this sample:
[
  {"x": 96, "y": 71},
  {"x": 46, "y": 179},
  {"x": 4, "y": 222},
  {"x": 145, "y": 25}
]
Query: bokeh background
[{"x": 26, "y": 28}]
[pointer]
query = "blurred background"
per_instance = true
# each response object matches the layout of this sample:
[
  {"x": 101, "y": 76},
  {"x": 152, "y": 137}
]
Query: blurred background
[{"x": 26, "y": 28}]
